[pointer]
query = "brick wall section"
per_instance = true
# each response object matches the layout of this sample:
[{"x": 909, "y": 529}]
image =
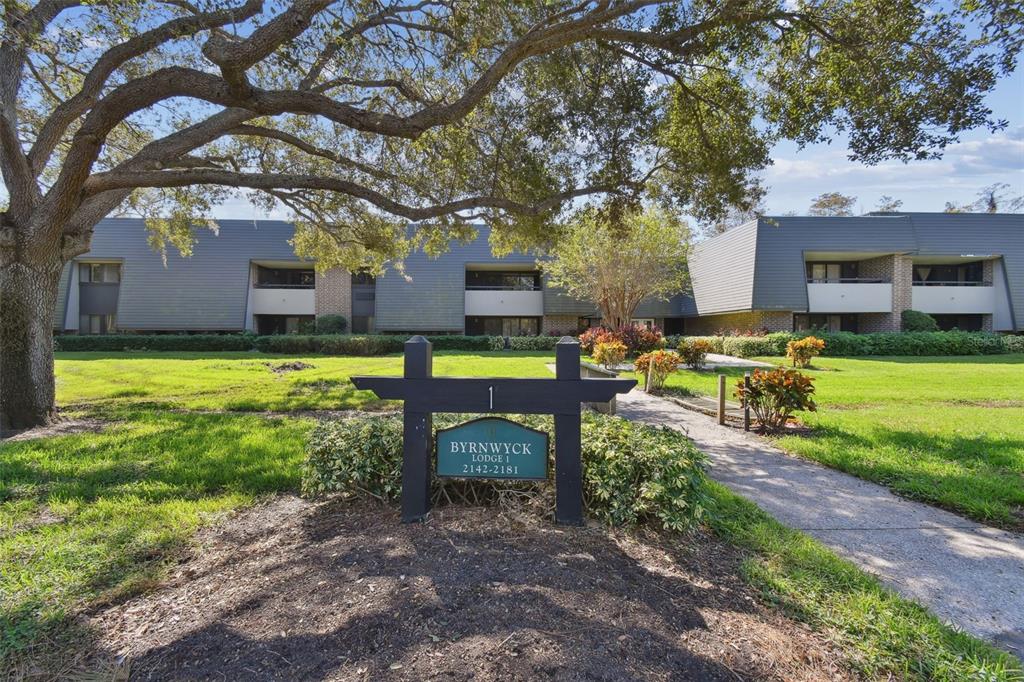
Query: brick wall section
[
  {"x": 334, "y": 293},
  {"x": 563, "y": 324},
  {"x": 897, "y": 269},
  {"x": 772, "y": 320}
]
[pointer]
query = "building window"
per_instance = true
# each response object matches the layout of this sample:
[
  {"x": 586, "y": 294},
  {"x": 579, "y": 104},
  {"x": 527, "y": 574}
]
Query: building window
[
  {"x": 284, "y": 324},
  {"x": 828, "y": 273},
  {"x": 479, "y": 325},
  {"x": 97, "y": 324},
  {"x": 284, "y": 278},
  {"x": 965, "y": 274},
  {"x": 495, "y": 280},
  {"x": 99, "y": 273}
]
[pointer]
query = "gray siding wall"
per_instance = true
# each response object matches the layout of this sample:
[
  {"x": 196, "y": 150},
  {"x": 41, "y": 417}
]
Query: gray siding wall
[
  {"x": 780, "y": 279},
  {"x": 206, "y": 291},
  {"x": 432, "y": 294},
  {"x": 722, "y": 272}
]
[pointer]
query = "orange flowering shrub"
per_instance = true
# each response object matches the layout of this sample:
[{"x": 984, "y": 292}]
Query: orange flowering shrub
[
  {"x": 609, "y": 353},
  {"x": 656, "y": 366},
  {"x": 802, "y": 351},
  {"x": 774, "y": 395},
  {"x": 694, "y": 352}
]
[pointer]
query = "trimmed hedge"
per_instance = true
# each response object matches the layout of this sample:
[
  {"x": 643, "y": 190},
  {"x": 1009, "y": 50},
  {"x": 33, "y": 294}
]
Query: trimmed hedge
[
  {"x": 847, "y": 344},
  {"x": 632, "y": 472},
  {"x": 837, "y": 344},
  {"x": 168, "y": 342},
  {"x": 534, "y": 343}
]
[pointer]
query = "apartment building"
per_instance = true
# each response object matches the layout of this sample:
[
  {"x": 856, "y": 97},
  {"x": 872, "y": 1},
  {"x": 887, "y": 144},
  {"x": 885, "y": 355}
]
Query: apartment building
[
  {"x": 246, "y": 276},
  {"x": 783, "y": 273},
  {"x": 859, "y": 274}
]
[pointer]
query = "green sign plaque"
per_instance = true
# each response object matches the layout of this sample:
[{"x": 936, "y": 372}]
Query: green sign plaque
[{"x": 492, "y": 447}]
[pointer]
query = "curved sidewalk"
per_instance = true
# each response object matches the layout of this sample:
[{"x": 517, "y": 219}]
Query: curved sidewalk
[{"x": 967, "y": 573}]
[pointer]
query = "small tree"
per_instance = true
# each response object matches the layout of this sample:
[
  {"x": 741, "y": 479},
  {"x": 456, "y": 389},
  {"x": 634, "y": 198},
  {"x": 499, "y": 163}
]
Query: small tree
[
  {"x": 832, "y": 204},
  {"x": 617, "y": 261},
  {"x": 886, "y": 204}
]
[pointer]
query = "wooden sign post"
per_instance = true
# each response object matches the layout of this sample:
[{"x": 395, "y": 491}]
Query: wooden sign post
[{"x": 424, "y": 394}]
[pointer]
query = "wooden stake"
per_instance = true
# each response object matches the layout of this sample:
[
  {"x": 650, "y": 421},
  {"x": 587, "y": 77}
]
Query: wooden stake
[
  {"x": 746, "y": 403},
  {"x": 721, "y": 398}
]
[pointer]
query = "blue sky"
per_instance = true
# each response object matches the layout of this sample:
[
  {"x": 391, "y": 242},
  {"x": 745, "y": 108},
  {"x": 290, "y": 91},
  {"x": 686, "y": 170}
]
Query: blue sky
[{"x": 978, "y": 160}]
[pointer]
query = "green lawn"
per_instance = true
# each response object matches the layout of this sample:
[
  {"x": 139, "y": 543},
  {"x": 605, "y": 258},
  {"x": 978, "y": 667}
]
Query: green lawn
[
  {"x": 948, "y": 431},
  {"x": 245, "y": 381},
  {"x": 92, "y": 517}
]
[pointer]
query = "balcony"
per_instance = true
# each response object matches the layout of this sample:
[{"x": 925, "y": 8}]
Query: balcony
[
  {"x": 283, "y": 300},
  {"x": 495, "y": 301},
  {"x": 953, "y": 297},
  {"x": 849, "y": 295}
]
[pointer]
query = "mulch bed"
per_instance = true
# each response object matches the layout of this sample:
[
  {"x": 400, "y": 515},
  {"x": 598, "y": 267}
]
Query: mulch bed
[{"x": 343, "y": 591}]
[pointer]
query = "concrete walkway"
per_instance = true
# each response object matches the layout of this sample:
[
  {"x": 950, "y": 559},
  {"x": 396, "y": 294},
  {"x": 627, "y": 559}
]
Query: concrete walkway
[{"x": 968, "y": 574}]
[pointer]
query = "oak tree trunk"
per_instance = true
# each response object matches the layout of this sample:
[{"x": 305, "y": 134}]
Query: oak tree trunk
[{"x": 28, "y": 301}]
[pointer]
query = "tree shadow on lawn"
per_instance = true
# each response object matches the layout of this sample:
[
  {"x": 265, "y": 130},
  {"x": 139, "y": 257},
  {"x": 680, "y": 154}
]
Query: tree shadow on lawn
[
  {"x": 125, "y": 500},
  {"x": 341, "y": 592},
  {"x": 989, "y": 486}
]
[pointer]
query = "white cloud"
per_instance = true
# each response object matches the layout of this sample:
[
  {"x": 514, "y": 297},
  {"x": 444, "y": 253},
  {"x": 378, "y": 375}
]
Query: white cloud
[{"x": 965, "y": 167}]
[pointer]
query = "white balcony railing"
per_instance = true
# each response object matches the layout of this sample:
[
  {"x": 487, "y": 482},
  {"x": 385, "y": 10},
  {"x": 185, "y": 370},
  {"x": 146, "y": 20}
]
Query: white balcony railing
[
  {"x": 951, "y": 299},
  {"x": 849, "y": 297},
  {"x": 505, "y": 303},
  {"x": 267, "y": 301}
]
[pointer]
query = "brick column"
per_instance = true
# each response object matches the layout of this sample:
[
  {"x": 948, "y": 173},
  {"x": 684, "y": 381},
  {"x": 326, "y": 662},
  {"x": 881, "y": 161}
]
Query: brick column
[
  {"x": 898, "y": 269},
  {"x": 566, "y": 325},
  {"x": 334, "y": 293}
]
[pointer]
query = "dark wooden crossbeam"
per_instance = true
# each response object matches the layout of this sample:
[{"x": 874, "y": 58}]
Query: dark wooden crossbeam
[
  {"x": 423, "y": 394},
  {"x": 520, "y": 396}
]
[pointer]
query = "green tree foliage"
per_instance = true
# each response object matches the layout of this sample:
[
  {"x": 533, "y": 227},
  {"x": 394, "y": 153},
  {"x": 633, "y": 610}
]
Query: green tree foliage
[
  {"x": 832, "y": 204},
  {"x": 616, "y": 261},
  {"x": 360, "y": 117}
]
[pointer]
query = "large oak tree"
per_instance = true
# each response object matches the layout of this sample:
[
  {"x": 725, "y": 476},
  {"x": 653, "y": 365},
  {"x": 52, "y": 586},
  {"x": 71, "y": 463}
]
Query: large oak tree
[{"x": 361, "y": 116}]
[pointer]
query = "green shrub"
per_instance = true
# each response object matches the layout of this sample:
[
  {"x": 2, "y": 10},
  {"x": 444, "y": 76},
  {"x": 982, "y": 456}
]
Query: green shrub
[
  {"x": 534, "y": 343},
  {"x": 331, "y": 324},
  {"x": 496, "y": 342},
  {"x": 458, "y": 342},
  {"x": 366, "y": 345},
  {"x": 716, "y": 344},
  {"x": 292, "y": 344},
  {"x": 753, "y": 346},
  {"x": 632, "y": 472},
  {"x": 1013, "y": 344},
  {"x": 153, "y": 342},
  {"x": 916, "y": 321}
]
